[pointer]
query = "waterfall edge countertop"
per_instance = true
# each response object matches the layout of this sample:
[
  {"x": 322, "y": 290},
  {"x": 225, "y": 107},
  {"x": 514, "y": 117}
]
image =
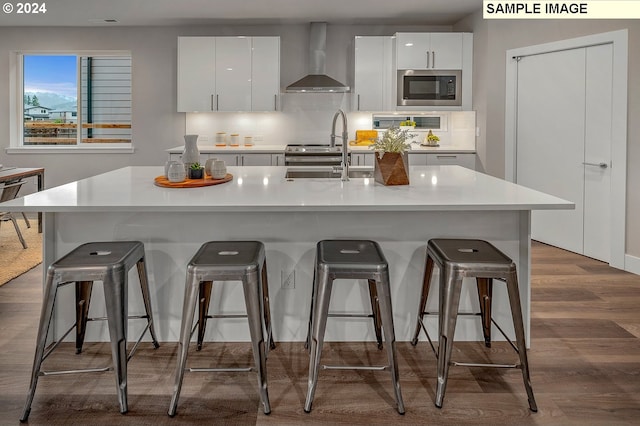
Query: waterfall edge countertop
[{"x": 258, "y": 188}]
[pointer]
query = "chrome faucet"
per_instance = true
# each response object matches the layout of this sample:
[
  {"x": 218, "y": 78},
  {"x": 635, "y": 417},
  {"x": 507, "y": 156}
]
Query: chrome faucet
[{"x": 344, "y": 166}]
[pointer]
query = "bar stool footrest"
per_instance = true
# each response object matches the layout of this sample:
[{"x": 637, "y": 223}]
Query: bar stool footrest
[
  {"x": 222, "y": 370},
  {"x": 356, "y": 367}
]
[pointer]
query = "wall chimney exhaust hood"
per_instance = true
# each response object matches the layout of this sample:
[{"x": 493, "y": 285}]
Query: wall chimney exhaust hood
[{"x": 317, "y": 81}]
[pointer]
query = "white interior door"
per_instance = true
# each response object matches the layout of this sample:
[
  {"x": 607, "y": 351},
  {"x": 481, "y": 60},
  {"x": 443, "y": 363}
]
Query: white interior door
[{"x": 563, "y": 128}]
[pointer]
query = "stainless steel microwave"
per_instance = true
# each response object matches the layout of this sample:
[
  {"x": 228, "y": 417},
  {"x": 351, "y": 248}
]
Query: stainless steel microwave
[{"x": 429, "y": 87}]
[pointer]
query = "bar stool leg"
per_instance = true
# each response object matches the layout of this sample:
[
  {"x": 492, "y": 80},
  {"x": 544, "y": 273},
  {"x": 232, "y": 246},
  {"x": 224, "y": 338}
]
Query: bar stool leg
[
  {"x": 48, "y": 301},
  {"x": 384, "y": 294},
  {"x": 83, "y": 300},
  {"x": 115, "y": 296},
  {"x": 375, "y": 311},
  {"x": 307, "y": 342},
  {"x": 265, "y": 307},
  {"x": 251, "y": 287},
  {"x": 450, "y": 287},
  {"x": 203, "y": 309},
  {"x": 485, "y": 293},
  {"x": 426, "y": 283},
  {"x": 146, "y": 298},
  {"x": 188, "y": 312},
  {"x": 320, "y": 313},
  {"x": 516, "y": 314}
]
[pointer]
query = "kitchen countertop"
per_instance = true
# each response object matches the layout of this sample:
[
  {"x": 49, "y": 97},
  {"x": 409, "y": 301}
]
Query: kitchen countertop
[
  {"x": 257, "y": 149},
  {"x": 279, "y": 149},
  {"x": 264, "y": 189}
]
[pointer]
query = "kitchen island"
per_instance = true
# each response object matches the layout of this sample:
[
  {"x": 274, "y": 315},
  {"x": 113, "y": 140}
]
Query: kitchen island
[{"x": 290, "y": 216}]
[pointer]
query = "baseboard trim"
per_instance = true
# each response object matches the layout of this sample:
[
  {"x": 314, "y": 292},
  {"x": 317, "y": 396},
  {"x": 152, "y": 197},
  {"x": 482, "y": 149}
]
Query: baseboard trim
[{"x": 632, "y": 264}]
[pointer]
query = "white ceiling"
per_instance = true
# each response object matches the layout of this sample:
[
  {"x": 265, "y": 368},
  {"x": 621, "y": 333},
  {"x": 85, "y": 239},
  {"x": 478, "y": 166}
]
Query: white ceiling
[{"x": 202, "y": 12}]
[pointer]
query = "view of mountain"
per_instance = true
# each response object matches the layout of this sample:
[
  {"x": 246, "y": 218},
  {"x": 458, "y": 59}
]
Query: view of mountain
[{"x": 53, "y": 100}]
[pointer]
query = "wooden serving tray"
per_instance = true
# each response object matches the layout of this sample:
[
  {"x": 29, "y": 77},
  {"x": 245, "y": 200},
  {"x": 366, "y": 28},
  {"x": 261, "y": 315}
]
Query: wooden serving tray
[{"x": 191, "y": 183}]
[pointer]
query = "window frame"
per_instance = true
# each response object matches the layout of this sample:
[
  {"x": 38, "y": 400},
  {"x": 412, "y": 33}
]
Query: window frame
[{"x": 16, "y": 110}]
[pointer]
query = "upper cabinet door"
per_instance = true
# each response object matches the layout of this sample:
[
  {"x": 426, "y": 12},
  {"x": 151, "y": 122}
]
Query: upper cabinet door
[
  {"x": 265, "y": 73},
  {"x": 446, "y": 51},
  {"x": 233, "y": 74},
  {"x": 196, "y": 74},
  {"x": 413, "y": 51},
  {"x": 372, "y": 70},
  {"x": 429, "y": 51}
]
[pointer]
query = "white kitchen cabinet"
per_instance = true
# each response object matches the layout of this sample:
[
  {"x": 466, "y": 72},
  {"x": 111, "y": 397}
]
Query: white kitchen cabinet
[
  {"x": 362, "y": 159},
  {"x": 465, "y": 160},
  {"x": 265, "y": 73},
  {"x": 238, "y": 159},
  {"x": 277, "y": 159},
  {"x": 374, "y": 73},
  {"x": 228, "y": 73},
  {"x": 417, "y": 159},
  {"x": 429, "y": 51},
  {"x": 233, "y": 74},
  {"x": 196, "y": 73}
]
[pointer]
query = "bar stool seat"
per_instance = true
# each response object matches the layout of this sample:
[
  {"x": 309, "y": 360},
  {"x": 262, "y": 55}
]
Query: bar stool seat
[
  {"x": 110, "y": 263},
  {"x": 457, "y": 259},
  {"x": 243, "y": 261},
  {"x": 351, "y": 259}
]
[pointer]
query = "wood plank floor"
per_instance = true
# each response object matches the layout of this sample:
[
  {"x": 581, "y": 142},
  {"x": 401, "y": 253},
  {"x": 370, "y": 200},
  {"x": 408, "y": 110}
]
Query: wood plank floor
[{"x": 585, "y": 364}]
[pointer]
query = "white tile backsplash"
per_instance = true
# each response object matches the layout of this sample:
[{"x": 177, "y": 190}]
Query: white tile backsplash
[{"x": 307, "y": 118}]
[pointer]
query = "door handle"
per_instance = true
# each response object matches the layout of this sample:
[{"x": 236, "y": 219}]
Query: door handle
[{"x": 601, "y": 165}]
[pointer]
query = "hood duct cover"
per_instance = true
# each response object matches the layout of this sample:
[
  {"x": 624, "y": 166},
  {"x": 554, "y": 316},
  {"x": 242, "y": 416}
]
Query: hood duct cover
[{"x": 317, "y": 81}]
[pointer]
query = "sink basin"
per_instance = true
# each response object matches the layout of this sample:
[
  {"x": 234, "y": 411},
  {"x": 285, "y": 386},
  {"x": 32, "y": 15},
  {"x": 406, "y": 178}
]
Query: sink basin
[{"x": 326, "y": 173}]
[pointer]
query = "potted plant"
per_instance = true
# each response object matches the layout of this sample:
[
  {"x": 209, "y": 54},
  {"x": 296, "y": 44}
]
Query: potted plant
[
  {"x": 391, "y": 165},
  {"x": 196, "y": 171}
]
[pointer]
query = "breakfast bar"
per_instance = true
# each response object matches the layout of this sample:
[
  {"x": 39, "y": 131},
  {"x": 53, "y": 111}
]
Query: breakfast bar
[{"x": 290, "y": 215}]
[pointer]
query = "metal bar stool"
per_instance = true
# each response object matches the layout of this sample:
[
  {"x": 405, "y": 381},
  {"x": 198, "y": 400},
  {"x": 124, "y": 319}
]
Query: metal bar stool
[
  {"x": 110, "y": 263},
  {"x": 351, "y": 259},
  {"x": 457, "y": 259},
  {"x": 227, "y": 261}
]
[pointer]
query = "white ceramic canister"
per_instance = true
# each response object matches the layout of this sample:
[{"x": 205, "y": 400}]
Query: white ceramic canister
[
  {"x": 219, "y": 169},
  {"x": 235, "y": 139},
  {"x": 221, "y": 139}
]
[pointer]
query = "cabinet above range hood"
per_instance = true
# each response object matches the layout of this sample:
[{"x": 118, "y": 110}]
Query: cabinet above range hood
[{"x": 317, "y": 81}]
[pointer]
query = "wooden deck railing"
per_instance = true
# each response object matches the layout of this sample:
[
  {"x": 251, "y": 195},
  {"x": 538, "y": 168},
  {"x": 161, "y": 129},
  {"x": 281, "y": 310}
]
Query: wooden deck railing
[{"x": 46, "y": 128}]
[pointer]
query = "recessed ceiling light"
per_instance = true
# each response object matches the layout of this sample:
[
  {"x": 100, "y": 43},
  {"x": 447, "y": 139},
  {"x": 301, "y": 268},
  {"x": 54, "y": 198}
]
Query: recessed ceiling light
[{"x": 104, "y": 21}]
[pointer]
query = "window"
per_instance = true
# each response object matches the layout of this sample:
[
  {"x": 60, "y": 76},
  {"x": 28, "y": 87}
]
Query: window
[{"x": 73, "y": 100}]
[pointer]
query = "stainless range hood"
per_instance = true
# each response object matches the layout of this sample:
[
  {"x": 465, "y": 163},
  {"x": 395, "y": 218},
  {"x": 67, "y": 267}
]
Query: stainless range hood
[{"x": 317, "y": 81}]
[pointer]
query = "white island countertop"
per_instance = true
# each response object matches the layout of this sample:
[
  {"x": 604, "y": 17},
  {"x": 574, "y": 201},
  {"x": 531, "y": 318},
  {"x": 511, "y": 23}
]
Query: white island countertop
[
  {"x": 290, "y": 216},
  {"x": 432, "y": 188}
]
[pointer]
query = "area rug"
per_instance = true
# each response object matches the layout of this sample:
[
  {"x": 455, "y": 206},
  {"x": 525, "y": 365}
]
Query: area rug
[{"x": 15, "y": 260}]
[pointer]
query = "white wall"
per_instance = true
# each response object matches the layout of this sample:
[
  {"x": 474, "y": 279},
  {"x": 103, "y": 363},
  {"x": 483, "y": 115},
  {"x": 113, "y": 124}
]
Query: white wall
[{"x": 493, "y": 38}]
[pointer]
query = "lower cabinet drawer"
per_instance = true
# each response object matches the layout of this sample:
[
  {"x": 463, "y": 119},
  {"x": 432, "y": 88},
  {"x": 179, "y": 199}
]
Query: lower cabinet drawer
[{"x": 464, "y": 160}]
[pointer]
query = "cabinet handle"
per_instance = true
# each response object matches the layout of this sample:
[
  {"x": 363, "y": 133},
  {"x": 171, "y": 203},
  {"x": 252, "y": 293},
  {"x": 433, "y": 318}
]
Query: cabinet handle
[
  {"x": 358, "y": 102},
  {"x": 433, "y": 57},
  {"x": 428, "y": 59},
  {"x": 212, "y": 102},
  {"x": 601, "y": 165},
  {"x": 446, "y": 156},
  {"x": 242, "y": 160},
  {"x": 275, "y": 102},
  {"x": 217, "y": 102}
]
